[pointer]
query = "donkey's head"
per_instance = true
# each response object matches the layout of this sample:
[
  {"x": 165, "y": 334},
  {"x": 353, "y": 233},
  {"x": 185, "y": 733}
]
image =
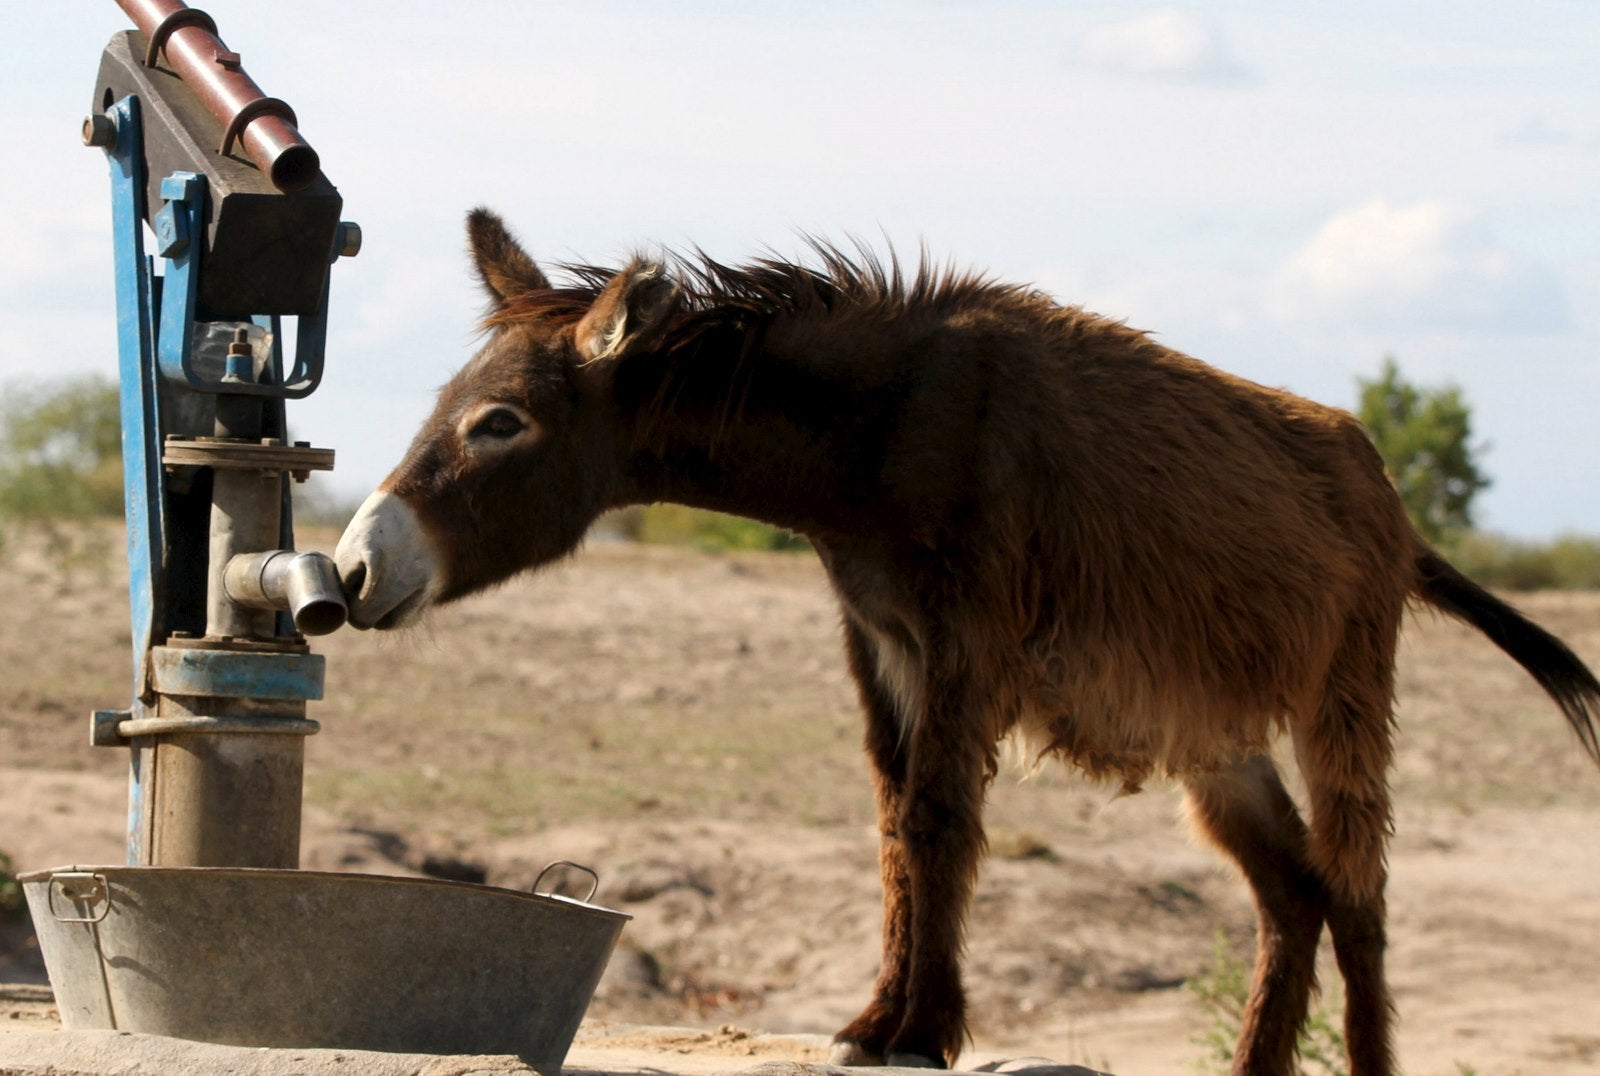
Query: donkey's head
[{"x": 523, "y": 450}]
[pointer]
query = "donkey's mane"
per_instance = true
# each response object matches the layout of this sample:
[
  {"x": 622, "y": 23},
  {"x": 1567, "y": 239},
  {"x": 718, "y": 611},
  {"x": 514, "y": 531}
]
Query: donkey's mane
[{"x": 714, "y": 295}]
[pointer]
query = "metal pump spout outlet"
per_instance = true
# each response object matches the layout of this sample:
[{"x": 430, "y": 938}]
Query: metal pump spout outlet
[{"x": 304, "y": 584}]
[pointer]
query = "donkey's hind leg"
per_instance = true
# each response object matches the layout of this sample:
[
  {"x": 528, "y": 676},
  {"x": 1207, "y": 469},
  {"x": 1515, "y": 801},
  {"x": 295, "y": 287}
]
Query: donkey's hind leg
[
  {"x": 1344, "y": 755},
  {"x": 1246, "y": 812}
]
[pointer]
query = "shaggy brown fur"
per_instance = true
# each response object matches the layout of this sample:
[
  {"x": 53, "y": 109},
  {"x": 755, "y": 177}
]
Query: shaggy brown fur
[{"x": 1039, "y": 522}]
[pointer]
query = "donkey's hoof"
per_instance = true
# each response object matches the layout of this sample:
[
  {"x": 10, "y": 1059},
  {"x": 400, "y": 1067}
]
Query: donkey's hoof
[
  {"x": 914, "y": 1061},
  {"x": 847, "y": 1053}
]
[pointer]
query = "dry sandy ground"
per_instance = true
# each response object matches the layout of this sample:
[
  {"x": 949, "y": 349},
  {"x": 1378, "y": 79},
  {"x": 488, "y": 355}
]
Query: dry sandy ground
[{"x": 682, "y": 722}]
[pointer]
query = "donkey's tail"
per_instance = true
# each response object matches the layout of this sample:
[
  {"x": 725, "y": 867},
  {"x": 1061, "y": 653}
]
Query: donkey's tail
[{"x": 1564, "y": 677}]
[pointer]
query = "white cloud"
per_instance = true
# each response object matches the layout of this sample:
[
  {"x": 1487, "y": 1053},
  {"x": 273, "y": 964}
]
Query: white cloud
[
  {"x": 1168, "y": 44},
  {"x": 1423, "y": 265}
]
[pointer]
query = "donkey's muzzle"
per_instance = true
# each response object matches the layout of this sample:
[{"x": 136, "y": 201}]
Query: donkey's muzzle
[{"x": 386, "y": 564}]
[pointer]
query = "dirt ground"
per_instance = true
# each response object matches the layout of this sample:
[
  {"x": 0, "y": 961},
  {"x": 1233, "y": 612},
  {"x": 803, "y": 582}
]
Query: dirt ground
[{"x": 683, "y": 723}]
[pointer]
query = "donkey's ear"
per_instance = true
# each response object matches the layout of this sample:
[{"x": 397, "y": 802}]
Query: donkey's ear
[
  {"x": 503, "y": 266},
  {"x": 630, "y": 309}
]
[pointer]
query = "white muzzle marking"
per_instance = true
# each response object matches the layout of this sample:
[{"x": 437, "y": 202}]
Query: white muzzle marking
[{"x": 386, "y": 564}]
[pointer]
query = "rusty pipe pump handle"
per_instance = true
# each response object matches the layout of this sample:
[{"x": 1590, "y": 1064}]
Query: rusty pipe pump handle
[{"x": 264, "y": 126}]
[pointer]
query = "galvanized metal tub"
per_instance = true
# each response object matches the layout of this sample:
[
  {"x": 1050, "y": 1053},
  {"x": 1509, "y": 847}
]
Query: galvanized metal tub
[{"x": 254, "y": 957}]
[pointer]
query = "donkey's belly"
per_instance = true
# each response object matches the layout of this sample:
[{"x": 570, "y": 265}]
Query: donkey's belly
[{"x": 1141, "y": 738}]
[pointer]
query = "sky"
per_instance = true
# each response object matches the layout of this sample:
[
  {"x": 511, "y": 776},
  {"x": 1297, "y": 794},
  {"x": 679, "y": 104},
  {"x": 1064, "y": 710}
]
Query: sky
[{"x": 1288, "y": 192}]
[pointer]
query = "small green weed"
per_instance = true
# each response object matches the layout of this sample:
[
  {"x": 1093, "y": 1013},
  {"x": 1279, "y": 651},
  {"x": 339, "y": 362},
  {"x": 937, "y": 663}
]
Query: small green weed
[{"x": 1223, "y": 990}]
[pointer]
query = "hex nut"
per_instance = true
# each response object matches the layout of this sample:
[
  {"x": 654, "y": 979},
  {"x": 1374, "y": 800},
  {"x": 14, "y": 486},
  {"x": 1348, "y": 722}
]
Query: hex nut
[{"x": 99, "y": 131}]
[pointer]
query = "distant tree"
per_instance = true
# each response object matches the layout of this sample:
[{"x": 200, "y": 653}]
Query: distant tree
[
  {"x": 61, "y": 449},
  {"x": 1425, "y": 438}
]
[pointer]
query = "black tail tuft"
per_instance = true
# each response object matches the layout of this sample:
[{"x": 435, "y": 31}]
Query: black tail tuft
[{"x": 1564, "y": 677}]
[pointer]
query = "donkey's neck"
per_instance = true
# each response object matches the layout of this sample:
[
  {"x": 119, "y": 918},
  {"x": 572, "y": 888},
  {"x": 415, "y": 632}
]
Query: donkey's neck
[{"x": 787, "y": 423}]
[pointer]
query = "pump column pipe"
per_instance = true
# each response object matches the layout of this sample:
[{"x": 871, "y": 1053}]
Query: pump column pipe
[{"x": 245, "y": 504}]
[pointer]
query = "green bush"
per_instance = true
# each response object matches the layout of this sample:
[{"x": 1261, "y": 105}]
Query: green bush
[
  {"x": 1570, "y": 562},
  {"x": 60, "y": 449},
  {"x": 674, "y": 524}
]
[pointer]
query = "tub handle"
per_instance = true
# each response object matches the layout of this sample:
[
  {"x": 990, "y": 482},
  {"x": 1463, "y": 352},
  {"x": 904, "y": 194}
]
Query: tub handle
[
  {"x": 79, "y": 887},
  {"x": 594, "y": 879}
]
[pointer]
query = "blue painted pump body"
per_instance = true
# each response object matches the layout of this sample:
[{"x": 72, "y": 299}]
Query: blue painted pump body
[{"x": 167, "y": 526}]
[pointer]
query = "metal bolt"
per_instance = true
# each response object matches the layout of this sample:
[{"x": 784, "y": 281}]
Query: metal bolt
[
  {"x": 348, "y": 242},
  {"x": 239, "y": 365},
  {"x": 99, "y": 130}
]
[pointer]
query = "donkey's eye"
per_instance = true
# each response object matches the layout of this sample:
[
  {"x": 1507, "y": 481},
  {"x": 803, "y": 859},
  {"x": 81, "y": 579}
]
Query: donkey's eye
[{"x": 499, "y": 423}]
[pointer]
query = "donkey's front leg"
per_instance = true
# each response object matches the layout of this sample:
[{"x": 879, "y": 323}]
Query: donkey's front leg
[
  {"x": 930, "y": 798},
  {"x": 951, "y": 758},
  {"x": 865, "y": 1040}
]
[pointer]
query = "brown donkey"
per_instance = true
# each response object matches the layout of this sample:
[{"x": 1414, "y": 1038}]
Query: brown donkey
[{"x": 1038, "y": 522}]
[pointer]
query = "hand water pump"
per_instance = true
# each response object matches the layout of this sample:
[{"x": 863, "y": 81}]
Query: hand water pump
[
  {"x": 212, "y": 932},
  {"x": 247, "y": 226}
]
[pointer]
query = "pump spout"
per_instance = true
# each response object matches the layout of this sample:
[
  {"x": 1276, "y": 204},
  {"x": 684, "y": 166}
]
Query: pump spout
[{"x": 304, "y": 584}]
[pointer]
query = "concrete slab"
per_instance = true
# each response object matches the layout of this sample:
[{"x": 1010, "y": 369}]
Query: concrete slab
[
  {"x": 32, "y": 1043},
  {"x": 123, "y": 1053}
]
